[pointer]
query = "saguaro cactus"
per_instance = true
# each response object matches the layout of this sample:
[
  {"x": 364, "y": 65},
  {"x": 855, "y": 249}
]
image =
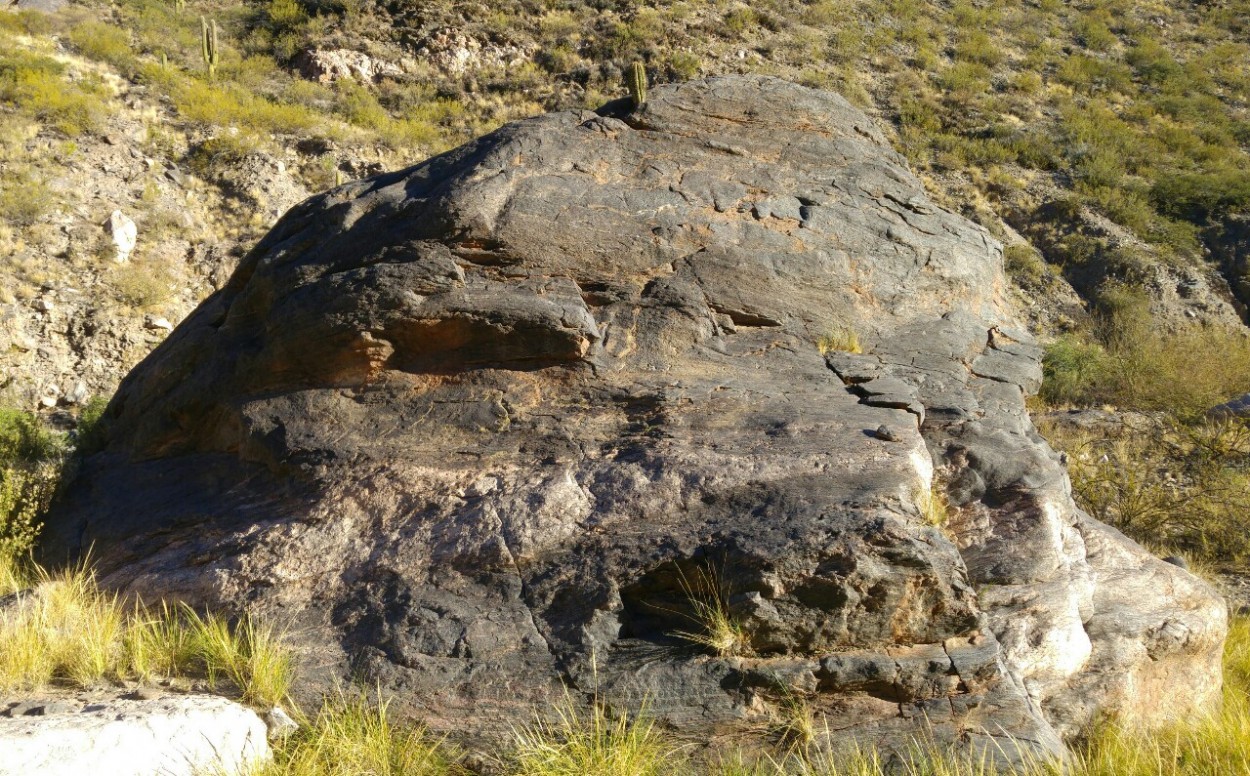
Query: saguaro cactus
[
  {"x": 208, "y": 45},
  {"x": 637, "y": 83}
]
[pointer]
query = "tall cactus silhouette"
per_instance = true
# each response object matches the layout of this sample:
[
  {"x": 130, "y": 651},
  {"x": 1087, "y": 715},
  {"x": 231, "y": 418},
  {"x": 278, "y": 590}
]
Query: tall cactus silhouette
[
  {"x": 637, "y": 83},
  {"x": 208, "y": 45}
]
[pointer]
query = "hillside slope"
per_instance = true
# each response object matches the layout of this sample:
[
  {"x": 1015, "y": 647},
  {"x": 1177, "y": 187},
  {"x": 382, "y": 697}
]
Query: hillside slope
[{"x": 1105, "y": 142}]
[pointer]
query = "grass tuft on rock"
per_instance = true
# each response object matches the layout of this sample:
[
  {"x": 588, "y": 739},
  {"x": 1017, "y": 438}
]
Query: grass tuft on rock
[
  {"x": 840, "y": 340},
  {"x": 716, "y": 628}
]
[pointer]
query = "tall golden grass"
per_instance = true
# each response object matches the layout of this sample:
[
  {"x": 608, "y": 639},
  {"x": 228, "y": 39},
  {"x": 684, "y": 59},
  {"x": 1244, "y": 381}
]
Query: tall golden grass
[{"x": 61, "y": 627}]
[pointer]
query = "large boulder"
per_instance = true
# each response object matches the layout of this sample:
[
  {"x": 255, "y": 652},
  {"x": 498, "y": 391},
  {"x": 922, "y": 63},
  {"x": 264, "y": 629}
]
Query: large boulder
[{"x": 533, "y": 414}]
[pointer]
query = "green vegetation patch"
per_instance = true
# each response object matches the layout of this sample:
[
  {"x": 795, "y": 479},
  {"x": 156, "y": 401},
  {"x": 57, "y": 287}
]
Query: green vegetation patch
[{"x": 40, "y": 87}]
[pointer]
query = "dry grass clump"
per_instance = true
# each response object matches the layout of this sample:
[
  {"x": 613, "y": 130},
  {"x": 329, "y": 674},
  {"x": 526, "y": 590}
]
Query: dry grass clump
[
  {"x": 142, "y": 284},
  {"x": 934, "y": 505},
  {"x": 841, "y": 339},
  {"x": 63, "y": 627},
  {"x": 351, "y": 736},
  {"x": 580, "y": 743},
  {"x": 25, "y": 198}
]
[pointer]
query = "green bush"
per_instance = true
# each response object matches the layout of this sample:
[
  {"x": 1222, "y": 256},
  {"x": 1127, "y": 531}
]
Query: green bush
[
  {"x": 1072, "y": 371},
  {"x": 24, "y": 199},
  {"x": 1123, "y": 316},
  {"x": 24, "y": 439},
  {"x": 1172, "y": 485},
  {"x": 226, "y": 105},
  {"x": 104, "y": 42},
  {"x": 1022, "y": 262},
  {"x": 30, "y": 457},
  {"x": 1202, "y": 196},
  {"x": 38, "y": 87}
]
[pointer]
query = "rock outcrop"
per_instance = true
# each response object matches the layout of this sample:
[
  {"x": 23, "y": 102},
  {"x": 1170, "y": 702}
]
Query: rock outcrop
[
  {"x": 518, "y": 418},
  {"x": 177, "y": 735}
]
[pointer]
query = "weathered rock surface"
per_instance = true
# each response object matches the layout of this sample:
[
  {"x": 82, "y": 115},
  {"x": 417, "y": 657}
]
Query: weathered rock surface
[
  {"x": 484, "y": 428},
  {"x": 172, "y": 736},
  {"x": 327, "y": 66}
]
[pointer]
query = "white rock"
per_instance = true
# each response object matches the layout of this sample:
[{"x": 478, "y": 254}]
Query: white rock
[
  {"x": 280, "y": 723},
  {"x": 172, "y": 736},
  {"x": 78, "y": 394},
  {"x": 125, "y": 235},
  {"x": 50, "y": 396},
  {"x": 157, "y": 322}
]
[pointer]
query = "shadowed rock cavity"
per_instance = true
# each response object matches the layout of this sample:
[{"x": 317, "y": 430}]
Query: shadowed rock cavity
[{"x": 518, "y": 418}]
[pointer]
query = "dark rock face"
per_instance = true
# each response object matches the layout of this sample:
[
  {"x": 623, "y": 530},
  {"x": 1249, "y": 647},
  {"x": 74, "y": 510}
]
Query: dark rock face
[{"x": 517, "y": 418}]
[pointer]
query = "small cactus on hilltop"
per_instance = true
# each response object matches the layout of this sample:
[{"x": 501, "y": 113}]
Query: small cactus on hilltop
[
  {"x": 180, "y": 6},
  {"x": 636, "y": 80},
  {"x": 208, "y": 45}
]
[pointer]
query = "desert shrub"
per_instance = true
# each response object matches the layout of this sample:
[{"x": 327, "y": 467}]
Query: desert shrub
[
  {"x": 285, "y": 14},
  {"x": 1037, "y": 150},
  {"x": 217, "y": 154},
  {"x": 1168, "y": 484},
  {"x": 1184, "y": 373},
  {"x": 1122, "y": 312},
  {"x": 141, "y": 284},
  {"x": 741, "y": 20},
  {"x": 226, "y": 104},
  {"x": 1152, "y": 61},
  {"x": 1138, "y": 367},
  {"x": 25, "y": 199},
  {"x": 1022, "y": 262},
  {"x": 683, "y": 66},
  {"x": 1092, "y": 30},
  {"x": 26, "y": 22},
  {"x": 30, "y": 458},
  {"x": 88, "y": 432},
  {"x": 39, "y": 87},
  {"x": 24, "y": 495},
  {"x": 978, "y": 47},
  {"x": 1200, "y": 196},
  {"x": 1072, "y": 370},
  {"x": 1090, "y": 74},
  {"x": 25, "y": 441},
  {"x": 104, "y": 42},
  {"x": 965, "y": 77}
]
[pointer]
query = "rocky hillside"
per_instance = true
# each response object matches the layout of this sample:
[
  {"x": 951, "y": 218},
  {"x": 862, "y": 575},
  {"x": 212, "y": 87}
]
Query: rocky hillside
[
  {"x": 1104, "y": 142},
  {"x": 701, "y": 406}
]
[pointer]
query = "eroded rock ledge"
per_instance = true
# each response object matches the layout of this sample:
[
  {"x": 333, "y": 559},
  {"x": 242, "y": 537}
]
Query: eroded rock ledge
[{"x": 480, "y": 426}]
